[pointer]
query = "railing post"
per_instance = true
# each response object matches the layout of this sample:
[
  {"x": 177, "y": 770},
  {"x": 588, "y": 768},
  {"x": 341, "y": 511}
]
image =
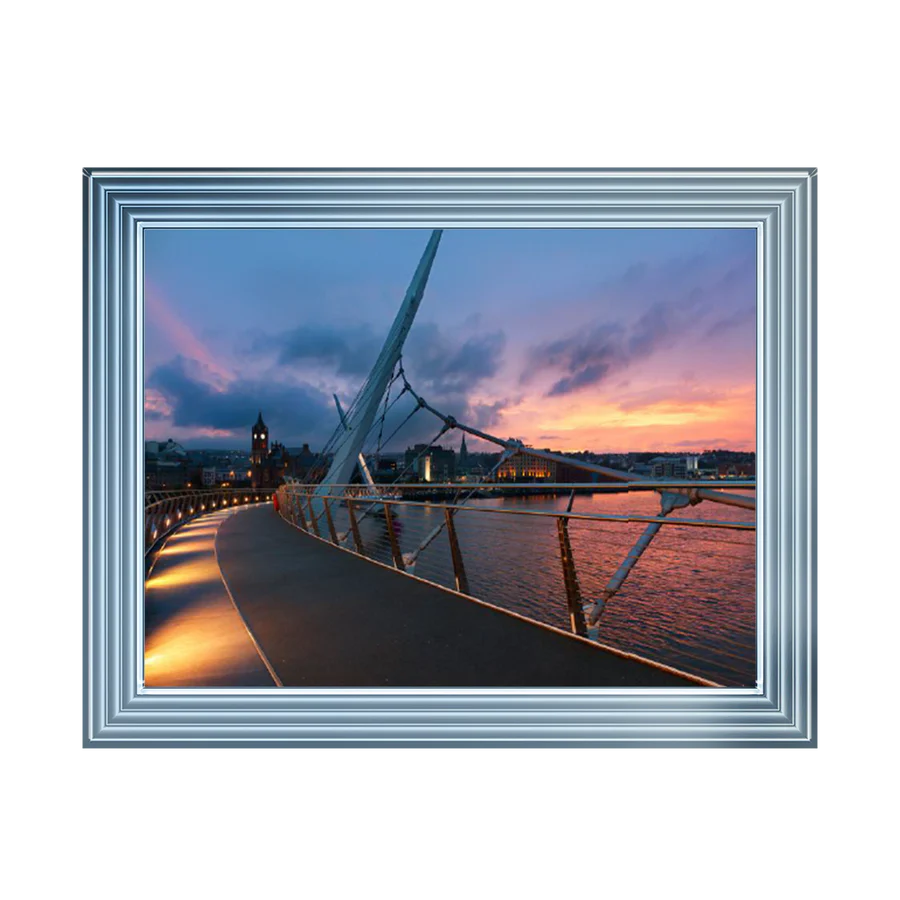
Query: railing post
[
  {"x": 297, "y": 503},
  {"x": 330, "y": 521},
  {"x": 354, "y": 527},
  {"x": 392, "y": 537},
  {"x": 570, "y": 577},
  {"x": 459, "y": 569},
  {"x": 314, "y": 522}
]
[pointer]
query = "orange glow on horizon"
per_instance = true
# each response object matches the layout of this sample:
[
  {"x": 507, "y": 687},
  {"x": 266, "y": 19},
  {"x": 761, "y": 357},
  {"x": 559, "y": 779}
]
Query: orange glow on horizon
[{"x": 586, "y": 422}]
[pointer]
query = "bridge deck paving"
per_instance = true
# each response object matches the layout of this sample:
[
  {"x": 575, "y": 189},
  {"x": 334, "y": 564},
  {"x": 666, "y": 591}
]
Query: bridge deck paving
[
  {"x": 193, "y": 634},
  {"x": 327, "y": 618}
]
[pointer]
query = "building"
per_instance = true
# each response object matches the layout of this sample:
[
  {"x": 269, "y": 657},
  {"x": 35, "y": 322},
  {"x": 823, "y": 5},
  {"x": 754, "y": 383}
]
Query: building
[
  {"x": 429, "y": 464},
  {"x": 259, "y": 446},
  {"x": 385, "y": 467},
  {"x": 524, "y": 466},
  {"x": 675, "y": 467},
  {"x": 302, "y": 460},
  {"x": 166, "y": 465},
  {"x": 672, "y": 467},
  {"x": 463, "y": 464},
  {"x": 268, "y": 464},
  {"x": 737, "y": 470}
]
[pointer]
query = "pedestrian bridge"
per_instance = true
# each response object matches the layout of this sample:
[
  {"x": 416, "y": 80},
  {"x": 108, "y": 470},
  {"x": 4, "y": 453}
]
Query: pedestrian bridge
[{"x": 239, "y": 596}]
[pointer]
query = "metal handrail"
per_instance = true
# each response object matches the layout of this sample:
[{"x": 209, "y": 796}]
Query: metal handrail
[
  {"x": 164, "y": 514},
  {"x": 314, "y": 509},
  {"x": 744, "y": 483},
  {"x": 363, "y": 493}
]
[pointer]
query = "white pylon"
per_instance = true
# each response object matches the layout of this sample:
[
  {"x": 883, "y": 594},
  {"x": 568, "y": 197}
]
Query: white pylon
[{"x": 361, "y": 416}]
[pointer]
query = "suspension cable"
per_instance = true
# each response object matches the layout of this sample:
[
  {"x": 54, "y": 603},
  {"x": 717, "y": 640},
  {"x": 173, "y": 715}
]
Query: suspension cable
[
  {"x": 409, "y": 465},
  {"x": 412, "y": 412}
]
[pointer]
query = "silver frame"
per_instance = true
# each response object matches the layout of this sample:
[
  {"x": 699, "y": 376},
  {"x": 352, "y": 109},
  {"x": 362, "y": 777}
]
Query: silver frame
[{"x": 119, "y": 204}]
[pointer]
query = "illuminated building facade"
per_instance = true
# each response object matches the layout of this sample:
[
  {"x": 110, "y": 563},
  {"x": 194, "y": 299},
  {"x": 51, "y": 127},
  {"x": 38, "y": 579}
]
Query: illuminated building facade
[
  {"x": 526, "y": 467},
  {"x": 431, "y": 464}
]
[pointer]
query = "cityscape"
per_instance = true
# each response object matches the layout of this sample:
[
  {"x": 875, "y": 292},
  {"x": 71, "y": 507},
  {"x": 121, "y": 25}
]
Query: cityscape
[
  {"x": 169, "y": 466},
  {"x": 487, "y": 458}
]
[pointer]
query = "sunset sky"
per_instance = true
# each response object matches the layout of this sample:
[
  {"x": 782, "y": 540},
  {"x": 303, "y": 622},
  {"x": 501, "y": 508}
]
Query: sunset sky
[{"x": 574, "y": 339}]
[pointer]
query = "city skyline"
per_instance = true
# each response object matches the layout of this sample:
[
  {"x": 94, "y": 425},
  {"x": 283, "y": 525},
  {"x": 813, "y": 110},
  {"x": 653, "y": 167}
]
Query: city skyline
[{"x": 608, "y": 340}]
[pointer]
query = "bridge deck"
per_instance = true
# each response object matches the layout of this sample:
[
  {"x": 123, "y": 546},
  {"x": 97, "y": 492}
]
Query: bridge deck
[
  {"x": 326, "y": 618},
  {"x": 194, "y": 636}
]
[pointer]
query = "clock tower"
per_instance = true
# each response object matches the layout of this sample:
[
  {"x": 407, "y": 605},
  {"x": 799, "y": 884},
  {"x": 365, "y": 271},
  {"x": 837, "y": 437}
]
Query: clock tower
[{"x": 259, "y": 445}]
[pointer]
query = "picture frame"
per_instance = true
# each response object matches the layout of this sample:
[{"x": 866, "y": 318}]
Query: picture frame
[{"x": 120, "y": 204}]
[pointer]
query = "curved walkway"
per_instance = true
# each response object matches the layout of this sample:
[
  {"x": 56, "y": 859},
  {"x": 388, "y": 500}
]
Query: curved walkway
[
  {"x": 327, "y": 618},
  {"x": 300, "y": 612},
  {"x": 194, "y": 635}
]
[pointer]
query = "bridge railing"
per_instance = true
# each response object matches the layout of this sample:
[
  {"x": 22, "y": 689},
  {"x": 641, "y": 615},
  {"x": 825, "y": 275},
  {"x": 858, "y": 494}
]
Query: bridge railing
[
  {"x": 573, "y": 565},
  {"x": 164, "y": 511}
]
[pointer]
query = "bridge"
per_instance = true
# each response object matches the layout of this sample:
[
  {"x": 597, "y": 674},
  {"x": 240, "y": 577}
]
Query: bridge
[
  {"x": 337, "y": 581},
  {"x": 252, "y": 589}
]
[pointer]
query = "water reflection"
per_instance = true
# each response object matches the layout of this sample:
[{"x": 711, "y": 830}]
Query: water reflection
[{"x": 689, "y": 602}]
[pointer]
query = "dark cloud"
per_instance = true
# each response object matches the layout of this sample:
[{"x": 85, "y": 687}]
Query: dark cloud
[
  {"x": 445, "y": 368},
  {"x": 588, "y": 356},
  {"x": 292, "y": 410},
  {"x": 441, "y": 364},
  {"x": 347, "y": 350},
  {"x": 658, "y": 327},
  {"x": 591, "y": 374},
  {"x": 486, "y": 415},
  {"x": 447, "y": 371},
  {"x": 688, "y": 292}
]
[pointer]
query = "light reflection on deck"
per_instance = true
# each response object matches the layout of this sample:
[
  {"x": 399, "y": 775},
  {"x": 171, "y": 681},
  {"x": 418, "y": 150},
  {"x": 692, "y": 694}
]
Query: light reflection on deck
[{"x": 193, "y": 634}]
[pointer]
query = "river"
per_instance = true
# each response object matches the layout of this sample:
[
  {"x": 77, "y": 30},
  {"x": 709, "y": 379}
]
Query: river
[{"x": 689, "y": 602}]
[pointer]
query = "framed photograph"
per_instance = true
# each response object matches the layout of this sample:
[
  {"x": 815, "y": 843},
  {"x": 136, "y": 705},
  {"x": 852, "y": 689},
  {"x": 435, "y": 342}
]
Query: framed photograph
[{"x": 449, "y": 458}]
